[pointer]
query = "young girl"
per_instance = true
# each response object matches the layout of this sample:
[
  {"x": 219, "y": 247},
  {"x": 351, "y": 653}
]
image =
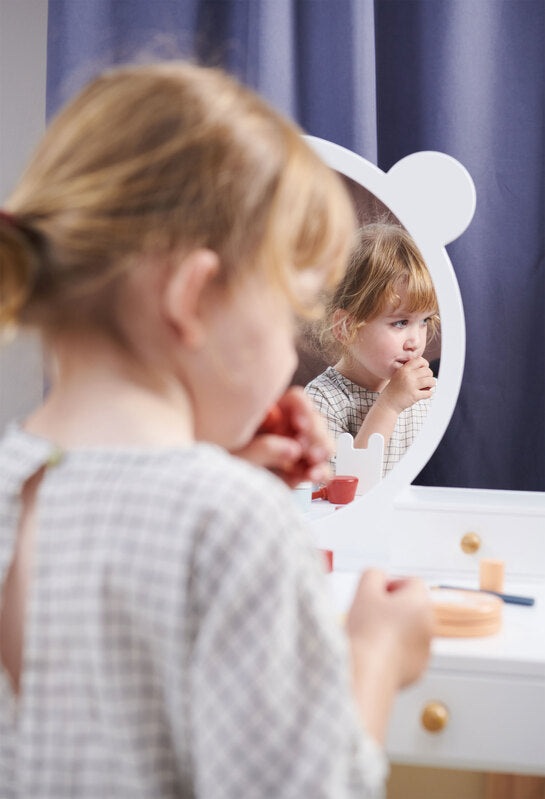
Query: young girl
[
  {"x": 378, "y": 321},
  {"x": 164, "y": 623}
]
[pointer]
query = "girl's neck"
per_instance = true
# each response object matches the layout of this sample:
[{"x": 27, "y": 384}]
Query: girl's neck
[
  {"x": 354, "y": 372},
  {"x": 102, "y": 397}
]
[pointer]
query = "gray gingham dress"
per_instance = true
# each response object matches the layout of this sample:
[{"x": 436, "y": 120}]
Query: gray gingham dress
[
  {"x": 179, "y": 640},
  {"x": 344, "y": 406}
]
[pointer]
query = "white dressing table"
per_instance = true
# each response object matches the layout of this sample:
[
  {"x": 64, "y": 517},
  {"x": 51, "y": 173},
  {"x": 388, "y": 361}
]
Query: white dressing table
[
  {"x": 485, "y": 696},
  {"x": 493, "y": 692}
]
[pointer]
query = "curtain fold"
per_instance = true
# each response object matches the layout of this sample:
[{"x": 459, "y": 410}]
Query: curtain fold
[
  {"x": 386, "y": 79},
  {"x": 473, "y": 86}
]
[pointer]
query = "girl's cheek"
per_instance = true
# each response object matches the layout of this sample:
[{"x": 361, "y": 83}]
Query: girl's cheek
[{"x": 291, "y": 360}]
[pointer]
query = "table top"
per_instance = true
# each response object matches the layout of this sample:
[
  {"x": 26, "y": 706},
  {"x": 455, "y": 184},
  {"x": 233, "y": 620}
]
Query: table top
[{"x": 518, "y": 649}]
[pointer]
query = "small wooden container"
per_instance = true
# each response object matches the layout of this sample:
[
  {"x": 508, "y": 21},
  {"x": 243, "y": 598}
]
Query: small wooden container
[
  {"x": 462, "y": 614},
  {"x": 491, "y": 574}
]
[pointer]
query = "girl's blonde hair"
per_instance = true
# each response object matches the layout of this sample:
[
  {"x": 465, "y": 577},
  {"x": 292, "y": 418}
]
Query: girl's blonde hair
[
  {"x": 156, "y": 159},
  {"x": 384, "y": 262}
]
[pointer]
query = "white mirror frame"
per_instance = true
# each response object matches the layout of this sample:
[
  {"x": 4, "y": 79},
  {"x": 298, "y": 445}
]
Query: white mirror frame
[{"x": 433, "y": 196}]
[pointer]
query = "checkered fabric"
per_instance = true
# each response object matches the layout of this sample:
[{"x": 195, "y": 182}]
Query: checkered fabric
[
  {"x": 345, "y": 405},
  {"x": 180, "y": 641}
]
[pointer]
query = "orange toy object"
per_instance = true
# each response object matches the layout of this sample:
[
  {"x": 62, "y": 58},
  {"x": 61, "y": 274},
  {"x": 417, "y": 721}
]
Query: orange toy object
[
  {"x": 277, "y": 423},
  {"x": 460, "y": 614},
  {"x": 340, "y": 491},
  {"x": 491, "y": 574}
]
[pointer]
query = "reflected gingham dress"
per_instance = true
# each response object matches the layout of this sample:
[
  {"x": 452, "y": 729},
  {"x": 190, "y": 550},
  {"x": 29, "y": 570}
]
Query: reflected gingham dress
[
  {"x": 179, "y": 639},
  {"x": 344, "y": 405}
]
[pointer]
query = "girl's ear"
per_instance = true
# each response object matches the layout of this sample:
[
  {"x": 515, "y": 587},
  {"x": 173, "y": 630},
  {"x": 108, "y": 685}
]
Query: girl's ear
[
  {"x": 183, "y": 294},
  {"x": 340, "y": 327}
]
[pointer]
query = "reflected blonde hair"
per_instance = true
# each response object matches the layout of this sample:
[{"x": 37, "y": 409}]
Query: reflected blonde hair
[
  {"x": 384, "y": 262},
  {"x": 157, "y": 159}
]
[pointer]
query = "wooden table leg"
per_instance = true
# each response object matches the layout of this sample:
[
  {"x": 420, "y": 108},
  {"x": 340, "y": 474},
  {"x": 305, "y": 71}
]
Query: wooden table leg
[{"x": 514, "y": 786}]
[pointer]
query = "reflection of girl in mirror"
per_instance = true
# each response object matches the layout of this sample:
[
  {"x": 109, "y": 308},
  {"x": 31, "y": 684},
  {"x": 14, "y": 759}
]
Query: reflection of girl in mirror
[
  {"x": 176, "y": 632},
  {"x": 377, "y": 325}
]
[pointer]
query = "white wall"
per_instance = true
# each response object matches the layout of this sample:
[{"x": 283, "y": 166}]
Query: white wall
[{"x": 23, "y": 53}]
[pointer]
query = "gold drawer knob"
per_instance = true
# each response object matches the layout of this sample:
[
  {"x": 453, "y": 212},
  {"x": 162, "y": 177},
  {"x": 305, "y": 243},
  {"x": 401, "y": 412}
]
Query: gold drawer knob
[
  {"x": 470, "y": 543},
  {"x": 434, "y": 717}
]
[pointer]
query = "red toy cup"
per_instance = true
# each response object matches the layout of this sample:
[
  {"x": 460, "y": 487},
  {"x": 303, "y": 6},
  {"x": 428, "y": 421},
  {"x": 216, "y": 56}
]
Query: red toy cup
[{"x": 340, "y": 491}]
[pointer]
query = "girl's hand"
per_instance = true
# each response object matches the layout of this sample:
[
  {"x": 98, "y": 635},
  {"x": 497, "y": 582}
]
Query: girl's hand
[
  {"x": 389, "y": 626},
  {"x": 394, "y": 616},
  {"x": 410, "y": 383},
  {"x": 292, "y": 441}
]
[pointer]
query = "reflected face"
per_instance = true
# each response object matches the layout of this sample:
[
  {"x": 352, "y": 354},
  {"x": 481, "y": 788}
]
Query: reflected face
[{"x": 385, "y": 344}]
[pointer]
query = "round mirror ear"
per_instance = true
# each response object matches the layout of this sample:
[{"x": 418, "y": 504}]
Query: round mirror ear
[
  {"x": 444, "y": 204},
  {"x": 341, "y": 328}
]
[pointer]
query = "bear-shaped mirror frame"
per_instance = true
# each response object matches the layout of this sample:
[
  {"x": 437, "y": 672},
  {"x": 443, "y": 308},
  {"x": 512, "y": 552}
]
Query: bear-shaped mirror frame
[{"x": 433, "y": 197}]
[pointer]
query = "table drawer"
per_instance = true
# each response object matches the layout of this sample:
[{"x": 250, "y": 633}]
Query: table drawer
[{"x": 494, "y": 724}]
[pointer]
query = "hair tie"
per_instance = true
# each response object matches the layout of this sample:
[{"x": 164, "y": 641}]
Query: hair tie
[
  {"x": 8, "y": 218},
  {"x": 32, "y": 239}
]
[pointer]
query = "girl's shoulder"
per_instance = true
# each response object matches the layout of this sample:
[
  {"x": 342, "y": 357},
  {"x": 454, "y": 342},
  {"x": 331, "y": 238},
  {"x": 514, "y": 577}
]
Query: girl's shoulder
[
  {"x": 229, "y": 477},
  {"x": 238, "y": 518},
  {"x": 327, "y": 382},
  {"x": 333, "y": 383},
  {"x": 323, "y": 379},
  {"x": 242, "y": 495},
  {"x": 201, "y": 470},
  {"x": 201, "y": 492}
]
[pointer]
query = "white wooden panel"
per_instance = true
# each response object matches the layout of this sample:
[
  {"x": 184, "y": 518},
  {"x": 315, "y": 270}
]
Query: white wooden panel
[{"x": 494, "y": 724}]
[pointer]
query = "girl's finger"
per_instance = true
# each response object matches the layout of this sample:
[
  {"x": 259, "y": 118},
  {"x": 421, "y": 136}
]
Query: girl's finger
[{"x": 272, "y": 451}]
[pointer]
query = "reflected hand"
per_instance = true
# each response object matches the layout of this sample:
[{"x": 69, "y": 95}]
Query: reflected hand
[{"x": 410, "y": 383}]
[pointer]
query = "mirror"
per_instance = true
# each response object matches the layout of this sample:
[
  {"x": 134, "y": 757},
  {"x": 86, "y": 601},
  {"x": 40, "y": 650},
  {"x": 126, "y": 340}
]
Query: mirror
[
  {"x": 316, "y": 355},
  {"x": 432, "y": 195}
]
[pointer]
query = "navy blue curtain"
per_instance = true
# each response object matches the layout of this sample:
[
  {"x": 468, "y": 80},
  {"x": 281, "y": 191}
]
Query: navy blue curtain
[{"x": 385, "y": 79}]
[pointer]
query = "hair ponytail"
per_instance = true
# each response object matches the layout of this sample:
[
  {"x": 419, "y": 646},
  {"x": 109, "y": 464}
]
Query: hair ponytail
[{"x": 19, "y": 262}]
